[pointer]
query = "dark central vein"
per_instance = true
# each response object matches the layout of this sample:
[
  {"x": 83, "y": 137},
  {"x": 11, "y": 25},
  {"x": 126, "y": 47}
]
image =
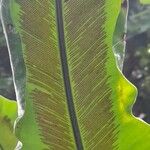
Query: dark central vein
[{"x": 66, "y": 75}]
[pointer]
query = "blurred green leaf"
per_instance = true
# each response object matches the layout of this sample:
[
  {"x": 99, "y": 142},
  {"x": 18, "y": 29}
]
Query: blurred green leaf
[
  {"x": 8, "y": 114},
  {"x": 145, "y": 1}
]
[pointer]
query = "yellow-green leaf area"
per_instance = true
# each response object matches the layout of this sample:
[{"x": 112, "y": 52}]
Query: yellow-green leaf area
[{"x": 8, "y": 114}]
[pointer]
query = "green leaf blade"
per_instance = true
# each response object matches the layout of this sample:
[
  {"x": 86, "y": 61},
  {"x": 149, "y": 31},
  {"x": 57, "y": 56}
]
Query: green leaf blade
[
  {"x": 43, "y": 80},
  {"x": 87, "y": 58}
]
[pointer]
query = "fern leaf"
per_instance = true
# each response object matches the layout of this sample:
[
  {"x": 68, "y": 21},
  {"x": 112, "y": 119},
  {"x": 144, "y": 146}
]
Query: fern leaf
[{"x": 75, "y": 96}]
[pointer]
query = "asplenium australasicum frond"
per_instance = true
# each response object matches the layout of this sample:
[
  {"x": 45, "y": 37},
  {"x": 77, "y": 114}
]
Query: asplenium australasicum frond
[{"x": 66, "y": 78}]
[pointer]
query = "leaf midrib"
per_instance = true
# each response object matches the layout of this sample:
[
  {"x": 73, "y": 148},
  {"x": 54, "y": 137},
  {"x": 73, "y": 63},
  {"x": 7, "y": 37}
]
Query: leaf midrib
[{"x": 65, "y": 71}]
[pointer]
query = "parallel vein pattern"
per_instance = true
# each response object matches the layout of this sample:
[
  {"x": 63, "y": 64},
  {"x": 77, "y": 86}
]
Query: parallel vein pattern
[
  {"x": 87, "y": 57},
  {"x": 39, "y": 33},
  {"x": 68, "y": 90}
]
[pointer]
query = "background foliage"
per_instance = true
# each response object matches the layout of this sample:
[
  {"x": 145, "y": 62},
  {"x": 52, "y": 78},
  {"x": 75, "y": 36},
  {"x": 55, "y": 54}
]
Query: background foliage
[{"x": 137, "y": 60}]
